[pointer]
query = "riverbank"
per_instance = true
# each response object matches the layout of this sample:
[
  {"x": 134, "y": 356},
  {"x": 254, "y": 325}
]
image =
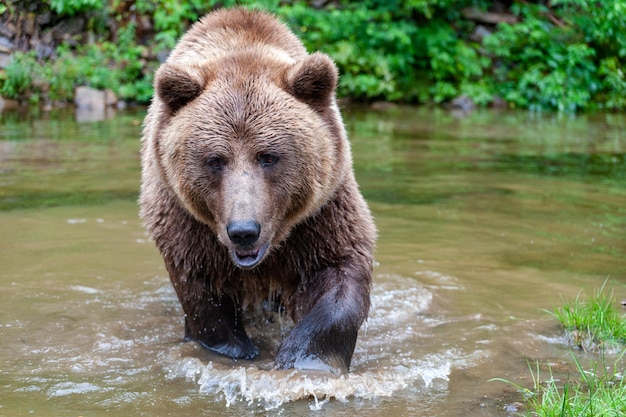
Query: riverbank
[{"x": 567, "y": 56}]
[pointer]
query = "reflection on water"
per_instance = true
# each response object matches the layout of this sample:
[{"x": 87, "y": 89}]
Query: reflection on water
[{"x": 483, "y": 222}]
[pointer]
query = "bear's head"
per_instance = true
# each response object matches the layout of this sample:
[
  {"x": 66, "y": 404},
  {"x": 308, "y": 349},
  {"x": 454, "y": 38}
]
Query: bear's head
[{"x": 251, "y": 145}]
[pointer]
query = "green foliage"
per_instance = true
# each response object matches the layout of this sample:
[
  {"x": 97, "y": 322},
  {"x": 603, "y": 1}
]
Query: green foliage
[
  {"x": 20, "y": 75},
  {"x": 72, "y": 7},
  {"x": 375, "y": 56},
  {"x": 117, "y": 66},
  {"x": 383, "y": 54},
  {"x": 593, "y": 323},
  {"x": 455, "y": 66},
  {"x": 171, "y": 18},
  {"x": 600, "y": 391},
  {"x": 568, "y": 58},
  {"x": 565, "y": 55},
  {"x": 614, "y": 81}
]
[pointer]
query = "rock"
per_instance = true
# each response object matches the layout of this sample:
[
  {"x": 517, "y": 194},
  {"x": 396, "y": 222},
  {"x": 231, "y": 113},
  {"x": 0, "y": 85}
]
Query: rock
[
  {"x": 145, "y": 23},
  {"x": 92, "y": 99},
  {"x": 44, "y": 18},
  {"x": 318, "y": 4},
  {"x": 8, "y": 104},
  {"x": 5, "y": 60},
  {"x": 89, "y": 98},
  {"x": 162, "y": 55},
  {"x": 44, "y": 46},
  {"x": 499, "y": 103},
  {"x": 479, "y": 33},
  {"x": 463, "y": 103},
  {"x": 67, "y": 28},
  {"x": 93, "y": 105},
  {"x": 6, "y": 30},
  {"x": 28, "y": 25},
  {"x": 6, "y": 45},
  {"x": 383, "y": 105},
  {"x": 473, "y": 13},
  {"x": 110, "y": 99}
]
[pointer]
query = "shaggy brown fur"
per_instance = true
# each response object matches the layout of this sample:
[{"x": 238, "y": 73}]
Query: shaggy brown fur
[{"x": 248, "y": 190}]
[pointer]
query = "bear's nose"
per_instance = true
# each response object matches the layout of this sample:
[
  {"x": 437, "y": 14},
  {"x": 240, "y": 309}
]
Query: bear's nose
[{"x": 243, "y": 233}]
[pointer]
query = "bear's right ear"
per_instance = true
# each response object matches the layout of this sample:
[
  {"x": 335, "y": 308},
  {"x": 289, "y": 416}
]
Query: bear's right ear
[
  {"x": 177, "y": 85},
  {"x": 313, "y": 80}
]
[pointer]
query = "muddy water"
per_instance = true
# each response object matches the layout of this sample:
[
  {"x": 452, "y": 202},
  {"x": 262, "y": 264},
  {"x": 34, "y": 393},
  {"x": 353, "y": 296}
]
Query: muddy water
[{"x": 484, "y": 221}]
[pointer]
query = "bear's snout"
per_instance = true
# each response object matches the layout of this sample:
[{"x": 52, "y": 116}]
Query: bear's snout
[{"x": 244, "y": 233}]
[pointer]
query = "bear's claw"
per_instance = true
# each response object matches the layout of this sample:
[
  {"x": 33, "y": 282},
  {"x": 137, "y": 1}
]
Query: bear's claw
[{"x": 238, "y": 349}]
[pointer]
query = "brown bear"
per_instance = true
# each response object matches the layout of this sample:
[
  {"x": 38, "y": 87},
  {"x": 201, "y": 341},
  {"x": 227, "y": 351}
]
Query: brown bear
[{"x": 249, "y": 193}]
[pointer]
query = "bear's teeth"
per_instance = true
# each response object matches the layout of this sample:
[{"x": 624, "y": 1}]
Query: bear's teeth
[
  {"x": 248, "y": 254},
  {"x": 249, "y": 258}
]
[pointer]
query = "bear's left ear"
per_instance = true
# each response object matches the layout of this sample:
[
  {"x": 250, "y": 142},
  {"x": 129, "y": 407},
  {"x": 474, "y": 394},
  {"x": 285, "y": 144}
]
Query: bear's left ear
[
  {"x": 177, "y": 85},
  {"x": 313, "y": 80}
]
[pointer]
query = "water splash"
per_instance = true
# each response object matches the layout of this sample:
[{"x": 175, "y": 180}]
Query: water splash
[
  {"x": 384, "y": 362},
  {"x": 272, "y": 389}
]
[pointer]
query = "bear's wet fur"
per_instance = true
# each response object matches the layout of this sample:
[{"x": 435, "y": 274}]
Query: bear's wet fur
[{"x": 249, "y": 193}]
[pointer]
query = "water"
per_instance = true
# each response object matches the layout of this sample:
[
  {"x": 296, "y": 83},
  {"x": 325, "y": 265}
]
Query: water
[{"x": 484, "y": 221}]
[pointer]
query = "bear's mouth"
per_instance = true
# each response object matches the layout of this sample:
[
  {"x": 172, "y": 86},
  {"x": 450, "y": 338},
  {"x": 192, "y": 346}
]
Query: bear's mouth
[{"x": 248, "y": 259}]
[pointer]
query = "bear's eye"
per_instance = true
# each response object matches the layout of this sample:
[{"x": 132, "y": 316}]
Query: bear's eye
[
  {"x": 215, "y": 163},
  {"x": 267, "y": 159}
]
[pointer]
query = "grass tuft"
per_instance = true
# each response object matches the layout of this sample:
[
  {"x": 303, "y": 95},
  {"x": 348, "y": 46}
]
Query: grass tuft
[
  {"x": 588, "y": 394},
  {"x": 593, "y": 324}
]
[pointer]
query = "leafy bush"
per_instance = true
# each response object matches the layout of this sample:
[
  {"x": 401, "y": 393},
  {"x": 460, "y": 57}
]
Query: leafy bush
[
  {"x": 383, "y": 53},
  {"x": 568, "y": 57},
  {"x": 116, "y": 66},
  {"x": 171, "y": 17},
  {"x": 374, "y": 54},
  {"x": 565, "y": 55},
  {"x": 72, "y": 7},
  {"x": 613, "y": 76},
  {"x": 20, "y": 75},
  {"x": 455, "y": 66}
]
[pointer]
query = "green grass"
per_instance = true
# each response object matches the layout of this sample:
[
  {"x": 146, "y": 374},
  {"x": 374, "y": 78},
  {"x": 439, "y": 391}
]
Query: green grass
[
  {"x": 595, "y": 393},
  {"x": 594, "y": 324}
]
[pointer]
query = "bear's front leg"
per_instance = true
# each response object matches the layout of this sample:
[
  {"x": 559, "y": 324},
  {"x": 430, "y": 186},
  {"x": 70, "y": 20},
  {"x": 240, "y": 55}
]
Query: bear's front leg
[
  {"x": 218, "y": 326},
  {"x": 326, "y": 331},
  {"x": 214, "y": 321}
]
